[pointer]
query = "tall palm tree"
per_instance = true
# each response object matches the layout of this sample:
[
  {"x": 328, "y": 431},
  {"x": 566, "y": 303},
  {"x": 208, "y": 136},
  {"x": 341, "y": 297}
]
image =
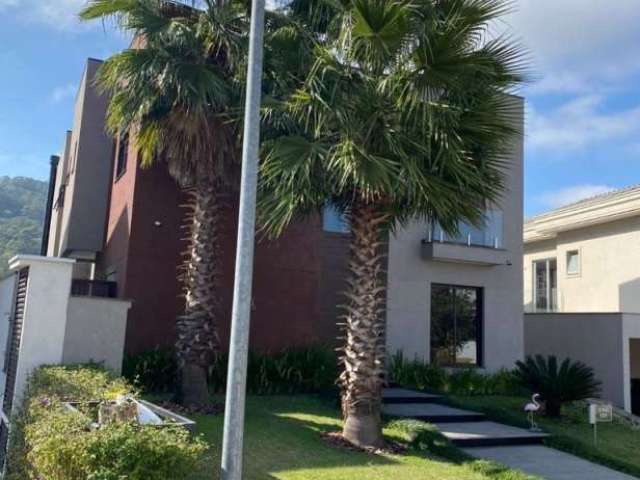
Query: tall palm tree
[
  {"x": 176, "y": 91},
  {"x": 403, "y": 114}
]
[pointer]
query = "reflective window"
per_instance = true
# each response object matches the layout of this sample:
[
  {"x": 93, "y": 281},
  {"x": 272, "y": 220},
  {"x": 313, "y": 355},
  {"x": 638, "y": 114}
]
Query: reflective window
[
  {"x": 333, "y": 221},
  {"x": 456, "y": 325},
  {"x": 487, "y": 235},
  {"x": 573, "y": 262},
  {"x": 545, "y": 285}
]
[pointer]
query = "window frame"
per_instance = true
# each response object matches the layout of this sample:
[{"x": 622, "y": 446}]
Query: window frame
[
  {"x": 479, "y": 324},
  {"x": 578, "y": 271},
  {"x": 122, "y": 156},
  {"x": 551, "y": 306}
]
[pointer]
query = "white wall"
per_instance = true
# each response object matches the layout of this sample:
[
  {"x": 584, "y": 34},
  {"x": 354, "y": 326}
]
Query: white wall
[
  {"x": 410, "y": 278},
  {"x": 95, "y": 331},
  {"x": 45, "y": 315},
  {"x": 609, "y": 277}
]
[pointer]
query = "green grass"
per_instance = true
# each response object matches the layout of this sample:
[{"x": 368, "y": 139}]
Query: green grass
[
  {"x": 283, "y": 442},
  {"x": 618, "y": 444}
]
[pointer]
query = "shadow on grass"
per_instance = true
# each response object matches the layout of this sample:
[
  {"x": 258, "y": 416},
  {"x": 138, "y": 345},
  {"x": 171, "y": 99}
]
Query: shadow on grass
[
  {"x": 284, "y": 434},
  {"x": 426, "y": 439}
]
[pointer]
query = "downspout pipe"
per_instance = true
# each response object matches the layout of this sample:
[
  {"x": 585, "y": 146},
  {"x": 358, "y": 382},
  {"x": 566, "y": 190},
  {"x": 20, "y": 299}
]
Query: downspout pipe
[{"x": 47, "y": 216}]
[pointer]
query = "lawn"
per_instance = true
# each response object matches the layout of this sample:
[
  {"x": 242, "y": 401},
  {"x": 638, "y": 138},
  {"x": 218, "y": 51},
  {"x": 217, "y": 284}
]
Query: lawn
[
  {"x": 618, "y": 444},
  {"x": 283, "y": 442}
]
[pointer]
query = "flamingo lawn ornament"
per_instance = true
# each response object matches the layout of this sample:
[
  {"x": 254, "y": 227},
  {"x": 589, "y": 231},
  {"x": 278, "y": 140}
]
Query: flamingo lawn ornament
[{"x": 531, "y": 409}]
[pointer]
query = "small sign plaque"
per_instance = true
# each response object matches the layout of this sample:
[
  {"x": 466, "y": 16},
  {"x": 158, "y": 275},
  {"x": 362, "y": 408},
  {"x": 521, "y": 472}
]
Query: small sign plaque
[{"x": 600, "y": 413}]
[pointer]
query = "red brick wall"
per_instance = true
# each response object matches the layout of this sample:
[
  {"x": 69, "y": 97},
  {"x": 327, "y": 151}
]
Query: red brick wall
[{"x": 296, "y": 277}]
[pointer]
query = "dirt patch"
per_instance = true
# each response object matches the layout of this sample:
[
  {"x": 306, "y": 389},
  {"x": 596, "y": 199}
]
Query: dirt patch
[{"x": 336, "y": 440}]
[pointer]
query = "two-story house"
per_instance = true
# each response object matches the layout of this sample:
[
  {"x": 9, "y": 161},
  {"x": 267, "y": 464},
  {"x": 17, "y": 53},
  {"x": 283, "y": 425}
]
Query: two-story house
[
  {"x": 582, "y": 289},
  {"x": 454, "y": 301}
]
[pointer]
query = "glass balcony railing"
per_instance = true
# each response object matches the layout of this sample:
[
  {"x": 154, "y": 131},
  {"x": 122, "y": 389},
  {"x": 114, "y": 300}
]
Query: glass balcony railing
[{"x": 488, "y": 235}]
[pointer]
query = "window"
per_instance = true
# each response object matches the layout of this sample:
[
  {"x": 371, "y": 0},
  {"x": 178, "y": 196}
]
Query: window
[
  {"x": 123, "y": 154},
  {"x": 333, "y": 221},
  {"x": 456, "y": 326},
  {"x": 487, "y": 235},
  {"x": 573, "y": 262},
  {"x": 545, "y": 285}
]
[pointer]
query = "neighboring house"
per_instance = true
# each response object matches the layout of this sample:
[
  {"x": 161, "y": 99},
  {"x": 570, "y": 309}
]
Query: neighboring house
[
  {"x": 582, "y": 282},
  {"x": 456, "y": 301},
  {"x": 475, "y": 318}
]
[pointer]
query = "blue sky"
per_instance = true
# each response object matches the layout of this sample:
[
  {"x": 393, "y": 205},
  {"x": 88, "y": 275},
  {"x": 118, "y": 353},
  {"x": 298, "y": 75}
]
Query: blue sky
[{"x": 583, "y": 113}]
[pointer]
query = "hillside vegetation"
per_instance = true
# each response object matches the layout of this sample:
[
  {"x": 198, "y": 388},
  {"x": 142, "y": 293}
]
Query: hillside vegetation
[{"x": 22, "y": 208}]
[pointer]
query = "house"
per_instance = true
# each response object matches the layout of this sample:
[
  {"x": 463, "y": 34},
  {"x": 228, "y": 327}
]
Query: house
[
  {"x": 455, "y": 300},
  {"x": 121, "y": 223},
  {"x": 470, "y": 285},
  {"x": 582, "y": 282}
]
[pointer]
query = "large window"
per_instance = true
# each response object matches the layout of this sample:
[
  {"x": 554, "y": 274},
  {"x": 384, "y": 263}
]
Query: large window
[
  {"x": 123, "y": 154},
  {"x": 545, "y": 285},
  {"x": 489, "y": 234},
  {"x": 456, "y": 325}
]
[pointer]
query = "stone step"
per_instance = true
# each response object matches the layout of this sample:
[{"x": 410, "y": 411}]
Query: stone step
[
  {"x": 403, "y": 395},
  {"x": 488, "y": 434},
  {"x": 431, "y": 412}
]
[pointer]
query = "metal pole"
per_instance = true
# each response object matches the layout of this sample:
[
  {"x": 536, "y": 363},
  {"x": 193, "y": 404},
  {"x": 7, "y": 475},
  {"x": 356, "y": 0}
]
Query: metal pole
[{"x": 232, "y": 444}]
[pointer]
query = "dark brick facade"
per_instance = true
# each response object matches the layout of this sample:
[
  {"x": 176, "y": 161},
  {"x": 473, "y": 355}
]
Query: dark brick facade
[{"x": 297, "y": 277}]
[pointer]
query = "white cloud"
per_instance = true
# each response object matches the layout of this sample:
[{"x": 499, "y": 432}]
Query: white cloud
[
  {"x": 62, "y": 93},
  {"x": 569, "y": 195},
  {"x": 582, "y": 122},
  {"x": 579, "y": 45},
  {"x": 57, "y": 14}
]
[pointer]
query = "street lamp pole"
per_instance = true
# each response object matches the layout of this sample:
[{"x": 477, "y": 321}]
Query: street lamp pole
[{"x": 232, "y": 445}]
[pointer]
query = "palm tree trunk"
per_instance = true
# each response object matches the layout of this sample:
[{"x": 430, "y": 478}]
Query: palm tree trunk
[
  {"x": 363, "y": 361},
  {"x": 197, "y": 343}
]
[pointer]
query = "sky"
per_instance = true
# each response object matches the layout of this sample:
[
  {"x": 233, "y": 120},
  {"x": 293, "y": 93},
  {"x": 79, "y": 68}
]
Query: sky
[{"x": 582, "y": 110}]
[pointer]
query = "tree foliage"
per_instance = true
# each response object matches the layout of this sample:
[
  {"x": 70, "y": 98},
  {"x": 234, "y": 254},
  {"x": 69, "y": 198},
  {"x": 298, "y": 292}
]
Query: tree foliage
[{"x": 22, "y": 209}]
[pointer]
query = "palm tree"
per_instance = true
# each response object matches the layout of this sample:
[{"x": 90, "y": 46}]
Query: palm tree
[
  {"x": 175, "y": 92},
  {"x": 403, "y": 114}
]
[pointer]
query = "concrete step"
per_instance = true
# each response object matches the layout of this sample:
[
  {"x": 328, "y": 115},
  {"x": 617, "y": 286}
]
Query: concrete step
[
  {"x": 431, "y": 412},
  {"x": 403, "y": 395},
  {"x": 488, "y": 434}
]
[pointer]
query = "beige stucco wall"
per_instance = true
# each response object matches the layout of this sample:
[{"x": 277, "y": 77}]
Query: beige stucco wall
[
  {"x": 410, "y": 278},
  {"x": 95, "y": 331},
  {"x": 609, "y": 278}
]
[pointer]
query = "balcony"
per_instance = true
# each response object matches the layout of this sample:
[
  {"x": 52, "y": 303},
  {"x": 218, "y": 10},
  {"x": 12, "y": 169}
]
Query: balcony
[
  {"x": 94, "y": 288},
  {"x": 472, "y": 244}
]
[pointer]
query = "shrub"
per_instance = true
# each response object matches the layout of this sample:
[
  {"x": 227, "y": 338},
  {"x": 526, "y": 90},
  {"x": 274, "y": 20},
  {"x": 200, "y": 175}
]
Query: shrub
[
  {"x": 304, "y": 370},
  {"x": 51, "y": 442},
  {"x": 466, "y": 381},
  {"x": 557, "y": 384},
  {"x": 154, "y": 371},
  {"x": 416, "y": 374}
]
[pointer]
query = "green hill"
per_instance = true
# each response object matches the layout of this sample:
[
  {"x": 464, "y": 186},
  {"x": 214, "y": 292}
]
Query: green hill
[{"x": 22, "y": 207}]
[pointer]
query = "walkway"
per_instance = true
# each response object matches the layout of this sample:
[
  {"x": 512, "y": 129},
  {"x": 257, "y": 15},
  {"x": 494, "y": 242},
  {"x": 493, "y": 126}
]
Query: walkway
[{"x": 514, "y": 447}]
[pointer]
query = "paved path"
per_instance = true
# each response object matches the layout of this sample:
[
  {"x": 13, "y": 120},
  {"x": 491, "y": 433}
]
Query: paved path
[
  {"x": 547, "y": 463},
  {"x": 515, "y": 447}
]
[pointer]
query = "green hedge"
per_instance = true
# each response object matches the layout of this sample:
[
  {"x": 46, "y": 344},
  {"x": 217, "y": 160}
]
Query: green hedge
[
  {"x": 312, "y": 369},
  {"x": 49, "y": 442},
  {"x": 465, "y": 382}
]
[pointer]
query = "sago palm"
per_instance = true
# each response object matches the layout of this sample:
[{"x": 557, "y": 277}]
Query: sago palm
[
  {"x": 175, "y": 91},
  {"x": 403, "y": 114}
]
